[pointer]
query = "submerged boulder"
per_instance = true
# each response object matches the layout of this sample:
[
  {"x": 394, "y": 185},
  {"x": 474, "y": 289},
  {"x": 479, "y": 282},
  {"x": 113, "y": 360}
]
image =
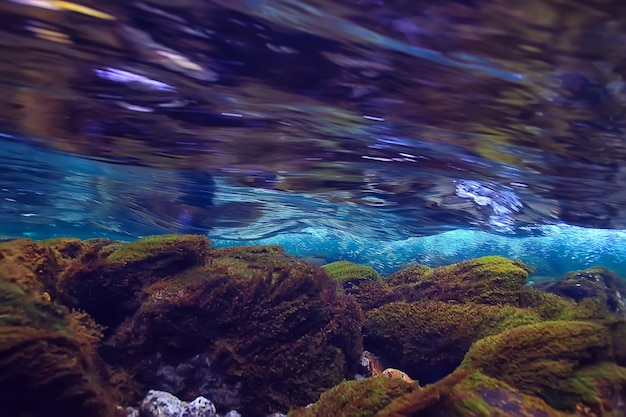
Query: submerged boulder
[
  {"x": 488, "y": 280},
  {"x": 362, "y": 398},
  {"x": 107, "y": 279},
  {"x": 252, "y": 328},
  {"x": 593, "y": 283},
  {"x": 345, "y": 272},
  {"x": 548, "y": 369},
  {"x": 428, "y": 339},
  {"x": 424, "y": 320},
  {"x": 48, "y": 360}
]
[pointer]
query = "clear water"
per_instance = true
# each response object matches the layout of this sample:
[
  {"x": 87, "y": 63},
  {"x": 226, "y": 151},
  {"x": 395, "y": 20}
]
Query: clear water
[{"x": 384, "y": 132}]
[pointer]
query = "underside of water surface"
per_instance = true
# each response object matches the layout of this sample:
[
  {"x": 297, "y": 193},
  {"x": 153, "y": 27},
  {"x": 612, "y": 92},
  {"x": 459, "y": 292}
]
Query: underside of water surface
[{"x": 383, "y": 132}]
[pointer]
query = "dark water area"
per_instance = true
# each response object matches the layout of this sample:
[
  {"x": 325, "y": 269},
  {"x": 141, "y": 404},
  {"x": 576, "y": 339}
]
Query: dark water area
[{"x": 341, "y": 131}]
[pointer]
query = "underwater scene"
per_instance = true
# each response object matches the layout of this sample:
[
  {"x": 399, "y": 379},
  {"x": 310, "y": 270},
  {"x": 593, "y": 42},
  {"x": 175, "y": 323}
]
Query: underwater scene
[{"x": 314, "y": 208}]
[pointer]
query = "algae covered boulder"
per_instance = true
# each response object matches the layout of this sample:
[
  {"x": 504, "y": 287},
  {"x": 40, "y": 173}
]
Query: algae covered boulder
[
  {"x": 593, "y": 283},
  {"x": 428, "y": 339},
  {"x": 48, "y": 360},
  {"x": 344, "y": 271},
  {"x": 542, "y": 359},
  {"x": 362, "y": 398},
  {"x": 271, "y": 332},
  {"x": 252, "y": 328},
  {"x": 487, "y": 280},
  {"x": 106, "y": 279}
]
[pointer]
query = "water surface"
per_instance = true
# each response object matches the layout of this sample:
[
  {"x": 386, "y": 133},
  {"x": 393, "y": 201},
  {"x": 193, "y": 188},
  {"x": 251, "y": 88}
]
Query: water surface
[{"x": 367, "y": 122}]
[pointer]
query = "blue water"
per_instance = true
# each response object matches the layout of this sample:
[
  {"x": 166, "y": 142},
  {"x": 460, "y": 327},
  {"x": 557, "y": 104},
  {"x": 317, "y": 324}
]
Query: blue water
[{"x": 384, "y": 133}]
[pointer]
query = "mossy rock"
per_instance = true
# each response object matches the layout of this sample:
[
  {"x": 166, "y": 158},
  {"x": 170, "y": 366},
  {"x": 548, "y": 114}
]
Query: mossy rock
[
  {"x": 490, "y": 280},
  {"x": 409, "y": 275},
  {"x": 600, "y": 386},
  {"x": 487, "y": 280},
  {"x": 596, "y": 283},
  {"x": 273, "y": 327},
  {"x": 428, "y": 339},
  {"x": 31, "y": 266},
  {"x": 106, "y": 279},
  {"x": 48, "y": 360},
  {"x": 343, "y": 271},
  {"x": 250, "y": 261},
  {"x": 555, "y": 307},
  {"x": 541, "y": 359},
  {"x": 362, "y": 398},
  {"x": 618, "y": 340},
  {"x": 162, "y": 247},
  {"x": 482, "y": 396},
  {"x": 592, "y": 390}
]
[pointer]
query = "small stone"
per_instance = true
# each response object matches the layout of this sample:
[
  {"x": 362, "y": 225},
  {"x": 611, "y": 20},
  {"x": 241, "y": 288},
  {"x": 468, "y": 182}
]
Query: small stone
[
  {"x": 201, "y": 407},
  {"x": 162, "y": 404},
  {"x": 232, "y": 413}
]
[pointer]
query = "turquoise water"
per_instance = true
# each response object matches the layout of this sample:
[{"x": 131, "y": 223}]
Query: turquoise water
[{"x": 385, "y": 133}]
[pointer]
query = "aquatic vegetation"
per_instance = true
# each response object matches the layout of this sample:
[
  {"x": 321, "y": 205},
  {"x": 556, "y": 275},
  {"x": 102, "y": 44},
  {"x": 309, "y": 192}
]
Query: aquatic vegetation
[
  {"x": 256, "y": 329},
  {"x": 31, "y": 266},
  {"x": 541, "y": 359},
  {"x": 408, "y": 275},
  {"x": 552, "y": 369},
  {"x": 48, "y": 360},
  {"x": 597, "y": 283},
  {"x": 488, "y": 280},
  {"x": 273, "y": 328},
  {"x": 428, "y": 339},
  {"x": 480, "y": 395},
  {"x": 364, "y": 398},
  {"x": 342, "y": 271},
  {"x": 162, "y": 248},
  {"x": 106, "y": 279}
]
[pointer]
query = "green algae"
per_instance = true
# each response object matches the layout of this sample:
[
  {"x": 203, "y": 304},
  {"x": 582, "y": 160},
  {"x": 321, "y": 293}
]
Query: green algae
[
  {"x": 541, "y": 359},
  {"x": 342, "y": 271},
  {"x": 409, "y": 275},
  {"x": 482, "y": 396},
  {"x": 259, "y": 309},
  {"x": 48, "y": 359},
  {"x": 250, "y": 261},
  {"x": 275, "y": 325},
  {"x": 362, "y": 398},
  {"x": 427, "y": 337},
  {"x": 151, "y": 246},
  {"x": 492, "y": 280}
]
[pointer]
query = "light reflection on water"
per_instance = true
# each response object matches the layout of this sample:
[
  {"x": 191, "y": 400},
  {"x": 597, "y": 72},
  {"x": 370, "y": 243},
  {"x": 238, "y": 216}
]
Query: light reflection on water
[{"x": 371, "y": 120}]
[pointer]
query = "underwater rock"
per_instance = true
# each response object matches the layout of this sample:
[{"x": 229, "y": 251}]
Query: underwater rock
[
  {"x": 164, "y": 404},
  {"x": 428, "y": 339},
  {"x": 488, "y": 280},
  {"x": 48, "y": 360},
  {"x": 253, "y": 328},
  {"x": 362, "y": 398},
  {"x": 35, "y": 266},
  {"x": 350, "y": 275},
  {"x": 542, "y": 359},
  {"x": 343, "y": 271},
  {"x": 104, "y": 281},
  {"x": 252, "y": 325},
  {"x": 548, "y": 369},
  {"x": 596, "y": 282},
  {"x": 424, "y": 320}
]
